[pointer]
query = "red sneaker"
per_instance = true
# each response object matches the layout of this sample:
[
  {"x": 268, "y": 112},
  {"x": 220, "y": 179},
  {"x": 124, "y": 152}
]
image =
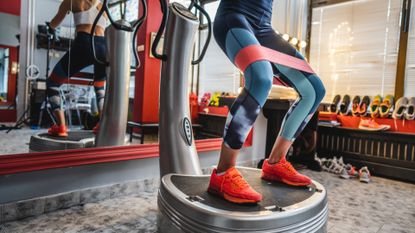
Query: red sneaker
[
  {"x": 233, "y": 187},
  {"x": 58, "y": 130},
  {"x": 284, "y": 172},
  {"x": 95, "y": 130}
]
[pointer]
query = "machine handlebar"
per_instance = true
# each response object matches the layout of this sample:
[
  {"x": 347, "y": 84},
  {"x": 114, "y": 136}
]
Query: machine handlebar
[
  {"x": 165, "y": 12},
  {"x": 134, "y": 27}
]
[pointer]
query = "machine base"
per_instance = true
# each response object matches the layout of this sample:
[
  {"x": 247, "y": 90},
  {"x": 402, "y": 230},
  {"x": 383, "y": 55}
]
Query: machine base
[
  {"x": 75, "y": 140},
  {"x": 185, "y": 206}
]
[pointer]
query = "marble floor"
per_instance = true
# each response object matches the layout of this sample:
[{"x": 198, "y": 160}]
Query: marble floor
[
  {"x": 17, "y": 141},
  {"x": 383, "y": 206}
]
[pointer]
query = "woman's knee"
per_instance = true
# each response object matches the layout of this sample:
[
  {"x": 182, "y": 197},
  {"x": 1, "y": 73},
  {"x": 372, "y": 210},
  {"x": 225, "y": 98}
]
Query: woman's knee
[
  {"x": 319, "y": 88},
  {"x": 258, "y": 77}
]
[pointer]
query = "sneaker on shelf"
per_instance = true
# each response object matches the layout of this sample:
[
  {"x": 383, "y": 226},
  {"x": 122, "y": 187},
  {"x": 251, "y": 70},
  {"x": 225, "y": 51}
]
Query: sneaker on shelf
[
  {"x": 345, "y": 105},
  {"x": 233, "y": 187},
  {"x": 355, "y": 106},
  {"x": 400, "y": 108},
  {"x": 372, "y": 125},
  {"x": 386, "y": 106},
  {"x": 284, "y": 172},
  {"x": 364, "y": 175},
  {"x": 334, "y": 106},
  {"x": 58, "y": 130},
  {"x": 374, "y": 107},
  {"x": 364, "y": 105},
  {"x": 410, "y": 111}
]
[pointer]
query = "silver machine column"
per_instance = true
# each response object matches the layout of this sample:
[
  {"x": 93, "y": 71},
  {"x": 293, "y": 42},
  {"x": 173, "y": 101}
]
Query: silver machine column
[
  {"x": 115, "y": 111},
  {"x": 177, "y": 147}
]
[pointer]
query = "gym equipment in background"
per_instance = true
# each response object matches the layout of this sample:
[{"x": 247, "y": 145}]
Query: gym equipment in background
[
  {"x": 113, "y": 121},
  {"x": 183, "y": 201}
]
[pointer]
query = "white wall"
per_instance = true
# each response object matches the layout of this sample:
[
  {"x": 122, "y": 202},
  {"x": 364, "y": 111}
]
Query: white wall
[{"x": 45, "y": 10}]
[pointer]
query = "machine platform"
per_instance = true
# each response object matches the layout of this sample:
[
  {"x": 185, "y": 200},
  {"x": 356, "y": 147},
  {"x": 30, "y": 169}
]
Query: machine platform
[
  {"x": 75, "y": 140},
  {"x": 283, "y": 208}
]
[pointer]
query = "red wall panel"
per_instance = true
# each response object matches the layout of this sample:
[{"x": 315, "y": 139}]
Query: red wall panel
[
  {"x": 147, "y": 77},
  {"x": 10, "y": 7}
]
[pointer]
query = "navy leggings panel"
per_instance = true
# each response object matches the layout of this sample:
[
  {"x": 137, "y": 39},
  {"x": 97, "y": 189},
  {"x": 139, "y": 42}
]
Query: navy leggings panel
[
  {"x": 77, "y": 58},
  {"x": 234, "y": 31}
]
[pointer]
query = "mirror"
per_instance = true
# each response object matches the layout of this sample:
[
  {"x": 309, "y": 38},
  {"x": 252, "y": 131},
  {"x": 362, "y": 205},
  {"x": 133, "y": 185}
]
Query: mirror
[{"x": 30, "y": 86}]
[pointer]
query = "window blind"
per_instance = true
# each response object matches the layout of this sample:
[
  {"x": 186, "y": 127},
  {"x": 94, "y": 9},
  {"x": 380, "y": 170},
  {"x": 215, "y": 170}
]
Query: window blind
[
  {"x": 354, "y": 46},
  {"x": 216, "y": 72},
  {"x": 410, "y": 62}
]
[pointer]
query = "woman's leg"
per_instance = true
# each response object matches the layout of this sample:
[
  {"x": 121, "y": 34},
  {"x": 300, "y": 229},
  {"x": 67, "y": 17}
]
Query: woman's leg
[
  {"x": 247, "y": 106},
  {"x": 309, "y": 87},
  {"x": 72, "y": 62},
  {"x": 99, "y": 72},
  {"x": 233, "y": 33},
  {"x": 311, "y": 91}
]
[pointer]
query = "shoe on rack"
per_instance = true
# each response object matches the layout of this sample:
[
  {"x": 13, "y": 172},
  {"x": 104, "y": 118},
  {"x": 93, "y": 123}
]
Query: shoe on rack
[
  {"x": 334, "y": 106},
  {"x": 233, "y": 187},
  {"x": 345, "y": 105},
  {"x": 372, "y": 125},
  {"x": 410, "y": 110},
  {"x": 364, "y": 105},
  {"x": 355, "y": 106},
  {"x": 386, "y": 106},
  {"x": 364, "y": 175},
  {"x": 400, "y": 108},
  {"x": 374, "y": 107},
  {"x": 58, "y": 130},
  {"x": 284, "y": 172}
]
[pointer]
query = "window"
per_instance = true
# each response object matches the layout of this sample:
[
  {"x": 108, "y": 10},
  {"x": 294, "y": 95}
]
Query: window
[
  {"x": 216, "y": 72},
  {"x": 354, "y": 46},
  {"x": 410, "y": 62}
]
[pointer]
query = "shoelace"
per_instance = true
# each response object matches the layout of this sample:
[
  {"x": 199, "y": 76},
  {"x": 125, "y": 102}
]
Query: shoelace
[
  {"x": 289, "y": 167},
  {"x": 239, "y": 181}
]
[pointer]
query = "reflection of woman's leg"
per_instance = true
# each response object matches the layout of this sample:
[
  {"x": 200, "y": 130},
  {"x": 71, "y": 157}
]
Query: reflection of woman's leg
[
  {"x": 244, "y": 111},
  {"x": 71, "y": 63},
  {"x": 53, "y": 83},
  {"x": 99, "y": 72}
]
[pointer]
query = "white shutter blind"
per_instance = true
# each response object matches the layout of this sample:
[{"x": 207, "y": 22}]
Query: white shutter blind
[
  {"x": 410, "y": 62},
  {"x": 354, "y": 47}
]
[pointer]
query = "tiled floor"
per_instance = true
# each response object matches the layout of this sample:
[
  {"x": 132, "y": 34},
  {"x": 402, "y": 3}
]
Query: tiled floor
[{"x": 383, "y": 206}]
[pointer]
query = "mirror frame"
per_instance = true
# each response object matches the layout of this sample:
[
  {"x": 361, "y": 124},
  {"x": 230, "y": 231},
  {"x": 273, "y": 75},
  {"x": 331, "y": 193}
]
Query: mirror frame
[{"x": 30, "y": 162}]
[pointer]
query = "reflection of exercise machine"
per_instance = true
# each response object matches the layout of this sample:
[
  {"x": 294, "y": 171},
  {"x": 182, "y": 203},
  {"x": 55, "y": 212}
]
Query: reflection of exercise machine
[
  {"x": 114, "y": 116},
  {"x": 184, "y": 204}
]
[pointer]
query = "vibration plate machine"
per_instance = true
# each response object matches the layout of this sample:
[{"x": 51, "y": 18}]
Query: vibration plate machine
[
  {"x": 184, "y": 204},
  {"x": 113, "y": 122}
]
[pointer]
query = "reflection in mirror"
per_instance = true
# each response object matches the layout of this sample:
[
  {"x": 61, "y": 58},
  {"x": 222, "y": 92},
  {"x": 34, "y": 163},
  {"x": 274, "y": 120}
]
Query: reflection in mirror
[{"x": 64, "y": 86}]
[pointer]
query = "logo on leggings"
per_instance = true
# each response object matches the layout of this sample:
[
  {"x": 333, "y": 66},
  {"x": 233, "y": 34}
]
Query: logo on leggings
[{"x": 187, "y": 129}]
